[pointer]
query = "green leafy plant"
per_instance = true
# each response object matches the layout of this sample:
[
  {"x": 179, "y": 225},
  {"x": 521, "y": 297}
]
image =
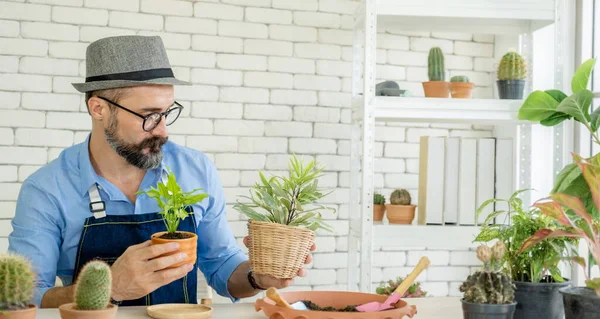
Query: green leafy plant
[
  {"x": 288, "y": 200},
  {"x": 512, "y": 67},
  {"x": 489, "y": 285},
  {"x": 172, "y": 201},
  {"x": 581, "y": 225},
  {"x": 414, "y": 291},
  {"x": 93, "y": 287},
  {"x": 435, "y": 64},
  {"x": 400, "y": 197},
  {"x": 537, "y": 264},
  {"x": 378, "y": 199},
  {"x": 17, "y": 282},
  {"x": 459, "y": 78}
]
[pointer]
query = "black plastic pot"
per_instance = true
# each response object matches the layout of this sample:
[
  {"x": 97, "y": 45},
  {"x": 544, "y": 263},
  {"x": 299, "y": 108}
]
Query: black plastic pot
[
  {"x": 511, "y": 89},
  {"x": 488, "y": 311},
  {"x": 539, "y": 300},
  {"x": 580, "y": 303}
]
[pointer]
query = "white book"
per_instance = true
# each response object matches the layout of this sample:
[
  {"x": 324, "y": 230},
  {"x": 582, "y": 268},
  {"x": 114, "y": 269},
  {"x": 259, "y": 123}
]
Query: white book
[
  {"x": 486, "y": 160},
  {"x": 467, "y": 178},
  {"x": 435, "y": 180},
  {"x": 505, "y": 176},
  {"x": 451, "y": 180}
]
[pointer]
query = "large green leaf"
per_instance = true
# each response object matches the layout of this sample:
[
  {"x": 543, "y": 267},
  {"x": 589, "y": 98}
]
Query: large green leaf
[
  {"x": 538, "y": 106},
  {"x": 558, "y": 95},
  {"x": 555, "y": 119},
  {"x": 582, "y": 75},
  {"x": 577, "y": 105},
  {"x": 595, "y": 119},
  {"x": 566, "y": 176}
]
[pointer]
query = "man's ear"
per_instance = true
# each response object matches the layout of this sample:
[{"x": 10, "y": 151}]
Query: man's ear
[{"x": 96, "y": 108}]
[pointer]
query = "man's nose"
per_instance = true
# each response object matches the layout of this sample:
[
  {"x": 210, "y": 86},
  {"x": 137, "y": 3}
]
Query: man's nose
[{"x": 160, "y": 129}]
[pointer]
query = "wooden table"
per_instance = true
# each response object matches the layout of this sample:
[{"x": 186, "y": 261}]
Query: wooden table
[{"x": 428, "y": 308}]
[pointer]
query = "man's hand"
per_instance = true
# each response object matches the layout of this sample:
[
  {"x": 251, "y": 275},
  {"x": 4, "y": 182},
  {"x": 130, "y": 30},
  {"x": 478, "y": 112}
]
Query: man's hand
[
  {"x": 265, "y": 281},
  {"x": 138, "y": 272}
]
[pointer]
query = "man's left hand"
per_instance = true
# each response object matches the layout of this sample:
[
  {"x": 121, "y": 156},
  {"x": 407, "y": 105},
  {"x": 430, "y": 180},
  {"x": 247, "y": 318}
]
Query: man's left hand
[{"x": 266, "y": 281}]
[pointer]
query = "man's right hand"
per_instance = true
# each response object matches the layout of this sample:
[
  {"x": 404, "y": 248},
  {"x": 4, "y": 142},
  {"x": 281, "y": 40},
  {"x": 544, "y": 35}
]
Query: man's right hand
[{"x": 137, "y": 272}]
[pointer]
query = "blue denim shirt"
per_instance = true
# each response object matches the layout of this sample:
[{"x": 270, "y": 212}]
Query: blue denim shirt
[{"x": 54, "y": 202}]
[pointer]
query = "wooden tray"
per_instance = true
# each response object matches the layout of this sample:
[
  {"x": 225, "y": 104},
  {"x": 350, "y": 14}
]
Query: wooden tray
[{"x": 179, "y": 311}]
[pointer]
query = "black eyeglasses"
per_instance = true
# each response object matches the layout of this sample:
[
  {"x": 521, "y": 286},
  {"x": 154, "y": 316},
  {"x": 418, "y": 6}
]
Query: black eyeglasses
[{"x": 151, "y": 120}]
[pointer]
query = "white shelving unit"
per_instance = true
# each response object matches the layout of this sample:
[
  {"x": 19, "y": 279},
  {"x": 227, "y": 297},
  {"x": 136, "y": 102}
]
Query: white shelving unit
[{"x": 513, "y": 23}]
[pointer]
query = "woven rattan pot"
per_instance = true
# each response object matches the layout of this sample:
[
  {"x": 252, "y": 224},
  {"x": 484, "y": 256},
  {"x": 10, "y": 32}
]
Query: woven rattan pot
[{"x": 278, "y": 250}]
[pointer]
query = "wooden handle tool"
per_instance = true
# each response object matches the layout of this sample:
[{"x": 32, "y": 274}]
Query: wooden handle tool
[
  {"x": 274, "y": 295},
  {"x": 423, "y": 263}
]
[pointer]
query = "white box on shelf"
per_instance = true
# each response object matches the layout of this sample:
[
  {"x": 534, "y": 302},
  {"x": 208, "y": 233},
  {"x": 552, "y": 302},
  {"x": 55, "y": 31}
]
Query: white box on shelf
[
  {"x": 431, "y": 180},
  {"x": 486, "y": 148},
  {"x": 452, "y": 162},
  {"x": 467, "y": 181},
  {"x": 504, "y": 176}
]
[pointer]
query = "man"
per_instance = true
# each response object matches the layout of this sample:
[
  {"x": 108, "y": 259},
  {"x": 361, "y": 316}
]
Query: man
[{"x": 83, "y": 205}]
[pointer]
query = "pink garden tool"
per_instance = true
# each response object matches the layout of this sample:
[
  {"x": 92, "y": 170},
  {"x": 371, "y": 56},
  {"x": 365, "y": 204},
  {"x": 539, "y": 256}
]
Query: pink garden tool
[{"x": 394, "y": 297}]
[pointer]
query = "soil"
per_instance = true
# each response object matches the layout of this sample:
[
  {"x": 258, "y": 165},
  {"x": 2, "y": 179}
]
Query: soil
[
  {"x": 312, "y": 306},
  {"x": 176, "y": 235}
]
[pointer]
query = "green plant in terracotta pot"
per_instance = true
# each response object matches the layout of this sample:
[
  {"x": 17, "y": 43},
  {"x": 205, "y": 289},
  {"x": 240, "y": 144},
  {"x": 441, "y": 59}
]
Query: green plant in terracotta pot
[
  {"x": 378, "y": 207},
  {"x": 535, "y": 272},
  {"x": 400, "y": 210},
  {"x": 17, "y": 284},
  {"x": 413, "y": 291},
  {"x": 173, "y": 201},
  {"x": 437, "y": 86},
  {"x": 489, "y": 292},
  {"x": 461, "y": 87},
  {"x": 283, "y": 218}
]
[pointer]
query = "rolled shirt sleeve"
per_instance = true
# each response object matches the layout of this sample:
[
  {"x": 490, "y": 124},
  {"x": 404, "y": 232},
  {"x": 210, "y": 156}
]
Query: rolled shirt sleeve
[
  {"x": 36, "y": 235},
  {"x": 218, "y": 252}
]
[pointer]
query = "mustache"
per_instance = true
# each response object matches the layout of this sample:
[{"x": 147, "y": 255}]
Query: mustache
[{"x": 153, "y": 143}]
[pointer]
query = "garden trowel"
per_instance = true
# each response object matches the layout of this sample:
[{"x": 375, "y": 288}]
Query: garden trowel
[{"x": 279, "y": 301}]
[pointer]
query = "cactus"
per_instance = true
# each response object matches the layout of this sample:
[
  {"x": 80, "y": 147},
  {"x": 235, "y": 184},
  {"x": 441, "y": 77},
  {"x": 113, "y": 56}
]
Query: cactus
[
  {"x": 512, "y": 67},
  {"x": 378, "y": 199},
  {"x": 490, "y": 285},
  {"x": 436, "y": 65},
  {"x": 93, "y": 288},
  {"x": 17, "y": 282},
  {"x": 400, "y": 197},
  {"x": 460, "y": 78}
]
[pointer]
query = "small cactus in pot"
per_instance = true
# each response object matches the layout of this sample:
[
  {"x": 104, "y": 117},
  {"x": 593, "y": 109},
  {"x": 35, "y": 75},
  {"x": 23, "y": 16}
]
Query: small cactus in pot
[
  {"x": 378, "y": 207},
  {"x": 400, "y": 210},
  {"x": 92, "y": 293},
  {"x": 512, "y": 72},
  {"x": 436, "y": 71},
  {"x": 489, "y": 290},
  {"x": 461, "y": 87},
  {"x": 17, "y": 284}
]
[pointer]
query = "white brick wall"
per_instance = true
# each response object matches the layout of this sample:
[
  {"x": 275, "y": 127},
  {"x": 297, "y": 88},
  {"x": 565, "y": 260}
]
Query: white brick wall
[{"x": 271, "y": 77}]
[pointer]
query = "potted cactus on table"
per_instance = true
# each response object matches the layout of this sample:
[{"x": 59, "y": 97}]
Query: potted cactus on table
[
  {"x": 512, "y": 72},
  {"x": 92, "y": 294},
  {"x": 283, "y": 218},
  {"x": 461, "y": 87},
  {"x": 437, "y": 85},
  {"x": 489, "y": 293},
  {"x": 400, "y": 210},
  {"x": 378, "y": 207},
  {"x": 17, "y": 283}
]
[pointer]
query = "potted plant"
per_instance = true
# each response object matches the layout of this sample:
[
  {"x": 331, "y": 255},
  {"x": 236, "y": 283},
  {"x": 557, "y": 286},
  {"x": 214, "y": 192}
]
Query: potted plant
[
  {"x": 570, "y": 211},
  {"x": 92, "y": 294},
  {"x": 512, "y": 72},
  {"x": 173, "y": 203},
  {"x": 489, "y": 293},
  {"x": 17, "y": 283},
  {"x": 400, "y": 210},
  {"x": 413, "y": 291},
  {"x": 460, "y": 87},
  {"x": 534, "y": 271},
  {"x": 437, "y": 85},
  {"x": 378, "y": 207},
  {"x": 283, "y": 218}
]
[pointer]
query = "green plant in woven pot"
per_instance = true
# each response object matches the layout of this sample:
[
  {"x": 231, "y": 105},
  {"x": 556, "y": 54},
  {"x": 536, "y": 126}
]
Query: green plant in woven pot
[
  {"x": 17, "y": 284},
  {"x": 378, "y": 207},
  {"x": 400, "y": 210},
  {"x": 437, "y": 86},
  {"x": 283, "y": 218},
  {"x": 512, "y": 72},
  {"x": 535, "y": 271}
]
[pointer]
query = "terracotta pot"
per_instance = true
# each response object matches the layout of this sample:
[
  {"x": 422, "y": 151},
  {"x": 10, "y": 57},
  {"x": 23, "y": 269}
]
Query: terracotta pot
[
  {"x": 29, "y": 313},
  {"x": 187, "y": 245},
  {"x": 336, "y": 299},
  {"x": 378, "y": 212},
  {"x": 461, "y": 90},
  {"x": 400, "y": 214},
  {"x": 437, "y": 89},
  {"x": 67, "y": 311}
]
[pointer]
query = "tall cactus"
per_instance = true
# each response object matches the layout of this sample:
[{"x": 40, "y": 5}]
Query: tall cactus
[
  {"x": 17, "y": 282},
  {"x": 435, "y": 64},
  {"x": 512, "y": 67},
  {"x": 93, "y": 287},
  {"x": 400, "y": 197}
]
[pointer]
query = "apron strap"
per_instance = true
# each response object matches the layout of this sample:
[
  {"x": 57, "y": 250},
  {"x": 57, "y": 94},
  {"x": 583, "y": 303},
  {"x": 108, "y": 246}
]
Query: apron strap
[{"x": 98, "y": 206}]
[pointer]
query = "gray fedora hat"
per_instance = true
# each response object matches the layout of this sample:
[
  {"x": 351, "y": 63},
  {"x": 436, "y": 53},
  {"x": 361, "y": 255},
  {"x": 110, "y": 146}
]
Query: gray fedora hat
[{"x": 124, "y": 61}]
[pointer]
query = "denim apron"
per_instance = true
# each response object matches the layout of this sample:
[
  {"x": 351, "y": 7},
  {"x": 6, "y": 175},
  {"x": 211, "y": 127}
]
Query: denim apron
[{"x": 106, "y": 237}]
